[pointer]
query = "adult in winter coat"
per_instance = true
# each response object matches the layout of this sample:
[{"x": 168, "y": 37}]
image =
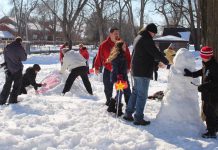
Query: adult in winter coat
[
  {"x": 145, "y": 53},
  {"x": 76, "y": 63},
  {"x": 101, "y": 60},
  {"x": 65, "y": 45},
  {"x": 14, "y": 54},
  {"x": 208, "y": 89},
  {"x": 29, "y": 78},
  {"x": 119, "y": 72}
]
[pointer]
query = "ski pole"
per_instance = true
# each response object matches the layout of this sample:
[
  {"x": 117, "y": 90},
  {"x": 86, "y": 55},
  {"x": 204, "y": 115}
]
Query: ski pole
[{"x": 118, "y": 102}]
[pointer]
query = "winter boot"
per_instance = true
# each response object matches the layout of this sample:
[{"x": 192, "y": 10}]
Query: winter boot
[
  {"x": 107, "y": 102},
  {"x": 128, "y": 118},
  {"x": 111, "y": 107},
  {"x": 142, "y": 122},
  {"x": 209, "y": 135},
  {"x": 120, "y": 113}
]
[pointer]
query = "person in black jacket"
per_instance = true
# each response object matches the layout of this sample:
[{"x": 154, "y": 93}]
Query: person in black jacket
[
  {"x": 29, "y": 78},
  {"x": 142, "y": 67},
  {"x": 119, "y": 72},
  {"x": 208, "y": 89},
  {"x": 14, "y": 54}
]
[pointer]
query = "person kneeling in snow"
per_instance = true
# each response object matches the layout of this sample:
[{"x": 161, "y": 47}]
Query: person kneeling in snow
[
  {"x": 29, "y": 78},
  {"x": 119, "y": 72},
  {"x": 76, "y": 63},
  {"x": 209, "y": 90}
]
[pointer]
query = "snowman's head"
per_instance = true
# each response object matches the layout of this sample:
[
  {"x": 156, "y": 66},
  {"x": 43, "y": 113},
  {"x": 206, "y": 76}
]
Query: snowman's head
[{"x": 184, "y": 59}]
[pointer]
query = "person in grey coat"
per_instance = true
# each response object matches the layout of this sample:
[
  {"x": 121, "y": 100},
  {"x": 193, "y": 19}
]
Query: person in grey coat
[{"x": 14, "y": 54}]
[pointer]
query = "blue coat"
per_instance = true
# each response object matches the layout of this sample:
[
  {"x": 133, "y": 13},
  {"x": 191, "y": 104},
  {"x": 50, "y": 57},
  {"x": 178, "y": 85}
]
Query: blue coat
[{"x": 119, "y": 67}]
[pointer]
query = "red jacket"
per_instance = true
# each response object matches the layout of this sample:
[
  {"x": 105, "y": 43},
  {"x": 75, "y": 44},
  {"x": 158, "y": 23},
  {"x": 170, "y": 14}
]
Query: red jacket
[
  {"x": 84, "y": 52},
  {"x": 61, "y": 53},
  {"x": 104, "y": 52}
]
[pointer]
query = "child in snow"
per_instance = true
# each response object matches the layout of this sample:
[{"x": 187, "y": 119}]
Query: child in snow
[
  {"x": 29, "y": 78},
  {"x": 65, "y": 45},
  {"x": 119, "y": 72},
  {"x": 84, "y": 52},
  {"x": 170, "y": 53},
  {"x": 76, "y": 64},
  {"x": 208, "y": 89}
]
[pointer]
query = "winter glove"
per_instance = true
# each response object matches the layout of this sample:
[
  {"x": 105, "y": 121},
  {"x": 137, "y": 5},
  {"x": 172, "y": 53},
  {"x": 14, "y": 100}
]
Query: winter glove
[
  {"x": 119, "y": 77},
  {"x": 44, "y": 84},
  {"x": 204, "y": 87},
  {"x": 188, "y": 73},
  {"x": 7, "y": 73}
]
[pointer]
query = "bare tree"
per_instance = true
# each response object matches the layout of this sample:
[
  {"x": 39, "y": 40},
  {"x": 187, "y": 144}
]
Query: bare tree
[
  {"x": 130, "y": 13},
  {"x": 142, "y": 12},
  {"x": 170, "y": 10},
  {"x": 192, "y": 15},
  {"x": 70, "y": 12},
  {"x": 209, "y": 24},
  {"x": 22, "y": 10}
]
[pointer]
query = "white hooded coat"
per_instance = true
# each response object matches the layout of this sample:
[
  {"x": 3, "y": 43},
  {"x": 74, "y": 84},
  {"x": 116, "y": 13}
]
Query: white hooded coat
[{"x": 72, "y": 59}]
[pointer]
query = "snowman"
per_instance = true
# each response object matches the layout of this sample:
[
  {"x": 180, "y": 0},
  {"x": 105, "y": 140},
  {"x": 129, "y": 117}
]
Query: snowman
[{"x": 180, "y": 106}]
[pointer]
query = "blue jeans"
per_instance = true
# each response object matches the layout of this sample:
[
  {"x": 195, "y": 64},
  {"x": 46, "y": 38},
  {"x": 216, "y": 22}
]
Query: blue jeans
[
  {"x": 138, "y": 98},
  {"x": 108, "y": 85}
]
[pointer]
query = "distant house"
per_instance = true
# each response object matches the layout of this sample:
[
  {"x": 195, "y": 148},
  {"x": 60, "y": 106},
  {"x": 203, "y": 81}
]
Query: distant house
[
  {"x": 182, "y": 33},
  {"x": 164, "y": 42},
  {"x": 179, "y": 32},
  {"x": 36, "y": 31}
]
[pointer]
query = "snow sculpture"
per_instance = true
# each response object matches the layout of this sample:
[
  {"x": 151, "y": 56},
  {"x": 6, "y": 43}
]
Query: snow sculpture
[{"x": 180, "y": 105}]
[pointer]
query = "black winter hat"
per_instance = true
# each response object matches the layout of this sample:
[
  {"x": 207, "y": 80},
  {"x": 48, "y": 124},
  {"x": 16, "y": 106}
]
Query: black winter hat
[
  {"x": 36, "y": 67},
  {"x": 151, "y": 27}
]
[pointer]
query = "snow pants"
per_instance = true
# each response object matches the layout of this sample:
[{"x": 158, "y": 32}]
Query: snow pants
[
  {"x": 79, "y": 71},
  {"x": 10, "y": 78}
]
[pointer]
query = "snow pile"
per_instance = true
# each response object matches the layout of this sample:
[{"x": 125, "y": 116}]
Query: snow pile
[
  {"x": 180, "y": 105},
  {"x": 80, "y": 121}
]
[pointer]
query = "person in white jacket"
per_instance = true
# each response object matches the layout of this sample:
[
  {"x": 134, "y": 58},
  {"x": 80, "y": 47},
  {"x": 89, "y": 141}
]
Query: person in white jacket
[{"x": 76, "y": 64}]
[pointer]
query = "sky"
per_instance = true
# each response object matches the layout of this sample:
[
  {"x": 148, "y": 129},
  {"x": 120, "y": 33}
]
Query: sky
[{"x": 6, "y": 6}]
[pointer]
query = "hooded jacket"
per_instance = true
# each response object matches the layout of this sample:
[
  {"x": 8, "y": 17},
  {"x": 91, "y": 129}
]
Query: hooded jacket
[
  {"x": 71, "y": 60},
  {"x": 14, "y": 54}
]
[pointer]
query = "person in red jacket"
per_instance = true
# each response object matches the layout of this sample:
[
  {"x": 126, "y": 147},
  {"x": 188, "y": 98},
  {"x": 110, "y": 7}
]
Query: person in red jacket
[
  {"x": 83, "y": 51},
  {"x": 101, "y": 60},
  {"x": 65, "y": 45}
]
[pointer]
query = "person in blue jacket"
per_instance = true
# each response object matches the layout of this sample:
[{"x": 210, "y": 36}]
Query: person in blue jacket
[{"x": 119, "y": 72}]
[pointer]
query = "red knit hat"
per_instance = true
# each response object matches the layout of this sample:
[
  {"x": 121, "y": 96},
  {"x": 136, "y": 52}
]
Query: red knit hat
[{"x": 206, "y": 52}]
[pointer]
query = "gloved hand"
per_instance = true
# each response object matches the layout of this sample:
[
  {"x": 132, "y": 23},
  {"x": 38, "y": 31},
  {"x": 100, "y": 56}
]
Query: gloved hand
[
  {"x": 204, "y": 87},
  {"x": 188, "y": 73},
  {"x": 119, "y": 77},
  {"x": 200, "y": 88},
  {"x": 44, "y": 84},
  {"x": 7, "y": 73}
]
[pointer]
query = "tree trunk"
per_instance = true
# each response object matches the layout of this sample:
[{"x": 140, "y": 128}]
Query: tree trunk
[{"x": 210, "y": 23}]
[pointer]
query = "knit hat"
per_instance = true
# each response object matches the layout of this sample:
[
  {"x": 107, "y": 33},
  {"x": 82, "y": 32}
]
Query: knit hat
[
  {"x": 206, "y": 52},
  {"x": 36, "y": 67},
  {"x": 152, "y": 28}
]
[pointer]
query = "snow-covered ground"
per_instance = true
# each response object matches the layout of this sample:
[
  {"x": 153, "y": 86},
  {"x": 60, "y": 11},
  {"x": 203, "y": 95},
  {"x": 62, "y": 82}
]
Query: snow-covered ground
[{"x": 80, "y": 121}]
